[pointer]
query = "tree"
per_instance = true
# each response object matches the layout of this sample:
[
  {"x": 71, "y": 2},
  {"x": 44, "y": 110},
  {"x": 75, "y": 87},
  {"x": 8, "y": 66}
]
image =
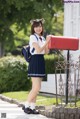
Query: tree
[{"x": 20, "y": 12}]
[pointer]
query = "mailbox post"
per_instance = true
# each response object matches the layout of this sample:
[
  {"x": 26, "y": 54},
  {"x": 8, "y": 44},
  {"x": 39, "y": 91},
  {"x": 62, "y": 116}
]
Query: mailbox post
[{"x": 67, "y": 76}]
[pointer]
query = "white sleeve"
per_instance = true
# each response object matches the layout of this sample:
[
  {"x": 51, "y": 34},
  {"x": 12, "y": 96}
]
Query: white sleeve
[{"x": 32, "y": 40}]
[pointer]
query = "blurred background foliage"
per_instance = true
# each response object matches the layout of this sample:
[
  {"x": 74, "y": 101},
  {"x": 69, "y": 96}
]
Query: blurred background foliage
[
  {"x": 15, "y": 16},
  {"x": 13, "y": 74}
]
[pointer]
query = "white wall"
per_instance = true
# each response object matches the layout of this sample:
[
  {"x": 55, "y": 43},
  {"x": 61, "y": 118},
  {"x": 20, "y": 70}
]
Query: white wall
[
  {"x": 72, "y": 19},
  {"x": 72, "y": 24},
  {"x": 49, "y": 86}
]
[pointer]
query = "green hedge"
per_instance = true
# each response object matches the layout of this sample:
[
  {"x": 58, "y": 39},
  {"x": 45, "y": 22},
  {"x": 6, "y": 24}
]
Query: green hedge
[
  {"x": 13, "y": 74},
  {"x": 50, "y": 62}
]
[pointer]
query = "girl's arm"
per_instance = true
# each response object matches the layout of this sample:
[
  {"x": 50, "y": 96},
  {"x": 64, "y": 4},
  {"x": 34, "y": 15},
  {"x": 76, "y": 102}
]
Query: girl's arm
[
  {"x": 46, "y": 49},
  {"x": 45, "y": 46}
]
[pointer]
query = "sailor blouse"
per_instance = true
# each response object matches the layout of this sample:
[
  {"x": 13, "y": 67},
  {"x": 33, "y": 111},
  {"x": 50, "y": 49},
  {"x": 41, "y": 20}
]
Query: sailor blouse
[{"x": 40, "y": 40}]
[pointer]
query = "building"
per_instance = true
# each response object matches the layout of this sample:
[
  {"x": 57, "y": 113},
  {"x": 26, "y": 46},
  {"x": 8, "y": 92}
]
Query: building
[{"x": 72, "y": 22}]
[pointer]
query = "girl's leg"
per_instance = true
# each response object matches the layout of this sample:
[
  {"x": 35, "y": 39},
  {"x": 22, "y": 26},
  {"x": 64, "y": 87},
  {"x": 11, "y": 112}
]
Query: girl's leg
[{"x": 36, "y": 85}]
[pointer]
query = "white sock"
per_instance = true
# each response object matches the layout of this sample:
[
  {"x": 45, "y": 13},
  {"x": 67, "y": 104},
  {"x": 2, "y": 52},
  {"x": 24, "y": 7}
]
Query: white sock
[
  {"x": 32, "y": 106},
  {"x": 27, "y": 104}
]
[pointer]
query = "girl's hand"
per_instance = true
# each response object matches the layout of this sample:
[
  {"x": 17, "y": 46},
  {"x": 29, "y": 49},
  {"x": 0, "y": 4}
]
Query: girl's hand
[{"x": 48, "y": 38}]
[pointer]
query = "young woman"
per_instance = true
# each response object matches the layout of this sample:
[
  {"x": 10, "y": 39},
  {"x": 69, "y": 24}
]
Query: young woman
[{"x": 36, "y": 69}]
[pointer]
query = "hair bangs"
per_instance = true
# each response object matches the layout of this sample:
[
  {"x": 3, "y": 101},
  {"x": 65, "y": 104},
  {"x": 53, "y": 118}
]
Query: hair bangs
[{"x": 36, "y": 24}]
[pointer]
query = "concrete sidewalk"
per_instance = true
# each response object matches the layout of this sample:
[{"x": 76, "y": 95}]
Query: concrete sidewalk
[{"x": 13, "y": 111}]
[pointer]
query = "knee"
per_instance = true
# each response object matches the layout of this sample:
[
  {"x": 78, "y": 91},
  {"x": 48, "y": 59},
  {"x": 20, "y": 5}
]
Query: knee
[{"x": 36, "y": 89}]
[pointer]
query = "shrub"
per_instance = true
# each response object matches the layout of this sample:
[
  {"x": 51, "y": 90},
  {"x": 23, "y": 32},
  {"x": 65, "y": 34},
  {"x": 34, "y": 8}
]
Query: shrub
[
  {"x": 13, "y": 74},
  {"x": 50, "y": 62}
]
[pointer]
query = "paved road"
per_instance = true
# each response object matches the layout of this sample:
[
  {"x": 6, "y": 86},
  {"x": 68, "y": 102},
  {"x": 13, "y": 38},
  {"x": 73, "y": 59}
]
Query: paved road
[{"x": 12, "y": 111}]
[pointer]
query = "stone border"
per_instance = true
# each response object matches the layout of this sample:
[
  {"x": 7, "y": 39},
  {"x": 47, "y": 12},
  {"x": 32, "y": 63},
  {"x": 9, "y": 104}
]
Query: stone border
[
  {"x": 15, "y": 101},
  {"x": 10, "y": 100}
]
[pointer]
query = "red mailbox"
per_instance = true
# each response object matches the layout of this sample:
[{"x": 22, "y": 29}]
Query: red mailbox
[{"x": 63, "y": 43}]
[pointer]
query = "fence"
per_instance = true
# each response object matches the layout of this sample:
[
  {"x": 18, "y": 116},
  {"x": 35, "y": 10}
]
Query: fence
[{"x": 68, "y": 82}]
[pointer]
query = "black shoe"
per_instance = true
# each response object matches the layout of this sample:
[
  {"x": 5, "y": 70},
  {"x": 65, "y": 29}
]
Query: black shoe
[
  {"x": 35, "y": 111},
  {"x": 30, "y": 111},
  {"x": 23, "y": 107}
]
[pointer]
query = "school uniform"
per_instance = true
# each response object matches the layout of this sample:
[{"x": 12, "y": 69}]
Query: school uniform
[{"x": 36, "y": 66}]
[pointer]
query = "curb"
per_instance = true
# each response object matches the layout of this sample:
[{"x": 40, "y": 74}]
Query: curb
[
  {"x": 10, "y": 100},
  {"x": 15, "y": 101},
  {"x": 42, "y": 109}
]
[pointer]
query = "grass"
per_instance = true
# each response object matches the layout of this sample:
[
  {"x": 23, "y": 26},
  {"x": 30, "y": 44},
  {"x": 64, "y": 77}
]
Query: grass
[
  {"x": 22, "y": 96},
  {"x": 41, "y": 100}
]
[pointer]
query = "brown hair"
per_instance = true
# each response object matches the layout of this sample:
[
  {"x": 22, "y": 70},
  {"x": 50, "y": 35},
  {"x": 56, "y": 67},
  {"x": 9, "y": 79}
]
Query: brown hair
[{"x": 36, "y": 24}]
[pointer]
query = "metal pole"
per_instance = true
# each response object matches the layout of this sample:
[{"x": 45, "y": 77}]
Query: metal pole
[
  {"x": 56, "y": 88},
  {"x": 56, "y": 81},
  {"x": 67, "y": 76}
]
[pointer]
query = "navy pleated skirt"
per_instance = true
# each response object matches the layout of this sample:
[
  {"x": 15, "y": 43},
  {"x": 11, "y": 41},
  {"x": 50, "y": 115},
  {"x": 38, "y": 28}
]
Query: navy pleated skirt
[{"x": 36, "y": 66}]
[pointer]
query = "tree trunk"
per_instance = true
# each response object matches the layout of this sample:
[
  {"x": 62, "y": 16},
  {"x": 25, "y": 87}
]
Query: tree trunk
[{"x": 1, "y": 50}]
